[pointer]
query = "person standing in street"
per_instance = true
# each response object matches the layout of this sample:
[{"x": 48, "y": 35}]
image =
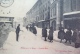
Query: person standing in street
[
  {"x": 45, "y": 33},
  {"x": 50, "y": 37},
  {"x": 77, "y": 42},
  {"x": 27, "y": 27},
  {"x": 17, "y": 32},
  {"x": 75, "y": 34},
  {"x": 68, "y": 36},
  {"x": 61, "y": 34},
  {"x": 34, "y": 30}
]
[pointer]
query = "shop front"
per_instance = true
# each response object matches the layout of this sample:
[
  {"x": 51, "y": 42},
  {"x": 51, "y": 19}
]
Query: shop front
[
  {"x": 6, "y": 20},
  {"x": 43, "y": 23},
  {"x": 53, "y": 23},
  {"x": 72, "y": 21}
]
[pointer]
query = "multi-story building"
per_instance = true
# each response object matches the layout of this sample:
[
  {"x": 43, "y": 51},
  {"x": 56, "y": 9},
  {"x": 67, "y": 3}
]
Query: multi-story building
[
  {"x": 32, "y": 15},
  {"x": 55, "y": 13},
  {"x": 6, "y": 20},
  {"x": 67, "y": 13},
  {"x": 72, "y": 13},
  {"x": 40, "y": 13}
]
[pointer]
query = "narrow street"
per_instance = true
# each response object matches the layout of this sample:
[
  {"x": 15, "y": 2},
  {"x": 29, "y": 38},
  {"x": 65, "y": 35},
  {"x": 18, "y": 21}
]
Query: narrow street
[
  {"x": 40, "y": 15},
  {"x": 31, "y": 44}
]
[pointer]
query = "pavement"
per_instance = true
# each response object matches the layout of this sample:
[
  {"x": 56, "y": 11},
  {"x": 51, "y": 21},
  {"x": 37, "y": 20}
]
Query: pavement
[{"x": 30, "y": 44}]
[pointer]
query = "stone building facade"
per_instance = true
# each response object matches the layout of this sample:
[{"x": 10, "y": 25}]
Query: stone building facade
[
  {"x": 71, "y": 14},
  {"x": 53, "y": 14},
  {"x": 40, "y": 14},
  {"x": 6, "y": 20},
  {"x": 56, "y": 13}
]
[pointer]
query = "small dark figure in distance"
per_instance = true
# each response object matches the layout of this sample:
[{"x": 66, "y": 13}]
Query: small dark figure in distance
[
  {"x": 45, "y": 33},
  {"x": 27, "y": 27},
  {"x": 34, "y": 30},
  {"x": 17, "y": 32}
]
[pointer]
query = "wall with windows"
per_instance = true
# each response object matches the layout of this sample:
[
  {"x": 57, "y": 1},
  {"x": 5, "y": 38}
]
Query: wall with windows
[
  {"x": 53, "y": 14},
  {"x": 71, "y": 5},
  {"x": 39, "y": 12}
]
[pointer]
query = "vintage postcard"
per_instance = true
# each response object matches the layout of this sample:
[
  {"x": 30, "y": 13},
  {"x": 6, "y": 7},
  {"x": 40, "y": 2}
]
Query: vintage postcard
[{"x": 39, "y": 26}]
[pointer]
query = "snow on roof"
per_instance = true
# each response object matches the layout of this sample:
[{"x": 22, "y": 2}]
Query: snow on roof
[
  {"x": 41, "y": 20},
  {"x": 5, "y": 21},
  {"x": 70, "y": 13}
]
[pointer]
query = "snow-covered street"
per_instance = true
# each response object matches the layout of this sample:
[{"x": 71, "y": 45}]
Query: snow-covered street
[{"x": 31, "y": 44}]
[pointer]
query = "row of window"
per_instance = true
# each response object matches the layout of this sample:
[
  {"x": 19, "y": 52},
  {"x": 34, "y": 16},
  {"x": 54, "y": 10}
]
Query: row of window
[
  {"x": 53, "y": 12},
  {"x": 71, "y": 5},
  {"x": 42, "y": 11},
  {"x": 68, "y": 6}
]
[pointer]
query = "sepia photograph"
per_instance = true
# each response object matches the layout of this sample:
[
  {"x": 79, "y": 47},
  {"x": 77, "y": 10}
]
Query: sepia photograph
[{"x": 39, "y": 26}]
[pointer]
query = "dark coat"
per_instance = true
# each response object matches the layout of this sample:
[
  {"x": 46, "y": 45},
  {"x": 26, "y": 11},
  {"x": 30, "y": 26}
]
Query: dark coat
[
  {"x": 44, "y": 32},
  {"x": 74, "y": 36},
  {"x": 61, "y": 34},
  {"x": 68, "y": 35},
  {"x": 31, "y": 28},
  {"x": 78, "y": 37},
  {"x": 27, "y": 27},
  {"x": 77, "y": 42},
  {"x": 50, "y": 37},
  {"x": 34, "y": 30},
  {"x": 17, "y": 29}
]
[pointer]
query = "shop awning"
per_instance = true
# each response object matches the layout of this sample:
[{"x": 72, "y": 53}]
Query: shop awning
[
  {"x": 41, "y": 20},
  {"x": 73, "y": 18},
  {"x": 6, "y": 21},
  {"x": 71, "y": 13}
]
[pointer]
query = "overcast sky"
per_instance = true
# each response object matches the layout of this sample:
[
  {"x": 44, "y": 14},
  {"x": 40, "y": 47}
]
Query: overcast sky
[{"x": 18, "y": 9}]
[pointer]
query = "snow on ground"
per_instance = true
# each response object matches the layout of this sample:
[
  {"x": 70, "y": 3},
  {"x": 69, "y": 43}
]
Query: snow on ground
[{"x": 31, "y": 44}]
